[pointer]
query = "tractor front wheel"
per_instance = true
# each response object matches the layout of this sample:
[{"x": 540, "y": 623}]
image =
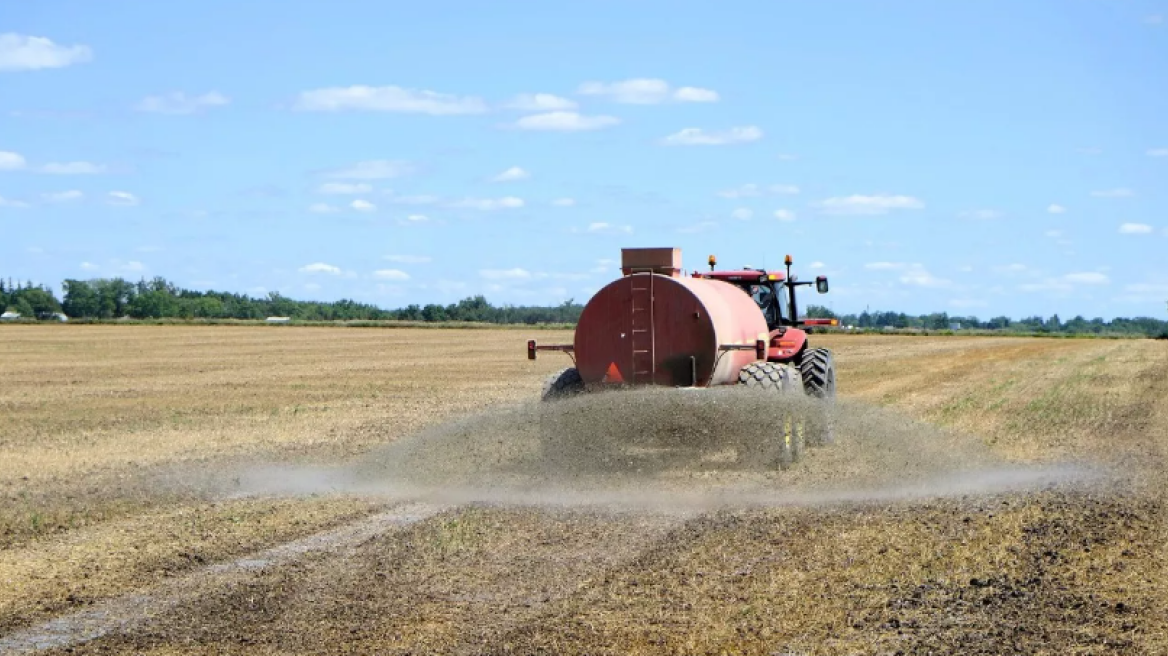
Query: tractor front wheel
[{"x": 817, "y": 368}]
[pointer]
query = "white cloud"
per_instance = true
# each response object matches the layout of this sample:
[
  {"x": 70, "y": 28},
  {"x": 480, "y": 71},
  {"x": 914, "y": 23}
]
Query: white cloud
[
  {"x": 377, "y": 169},
  {"x": 646, "y": 91},
  {"x": 1053, "y": 233},
  {"x": 540, "y": 102},
  {"x": 1088, "y": 278},
  {"x": 344, "y": 188},
  {"x": 122, "y": 198},
  {"x": 417, "y": 218},
  {"x": 1135, "y": 229},
  {"x": 1113, "y": 193},
  {"x": 564, "y": 202},
  {"x": 1146, "y": 288},
  {"x": 8, "y": 202},
  {"x": 910, "y": 273},
  {"x": 63, "y": 196},
  {"x": 177, "y": 102},
  {"x": 488, "y": 204},
  {"x": 72, "y": 168},
  {"x": 1011, "y": 268},
  {"x": 753, "y": 191},
  {"x": 695, "y": 94},
  {"x": 816, "y": 265},
  {"x": 88, "y": 266},
  {"x": 1067, "y": 283},
  {"x": 20, "y": 52},
  {"x": 857, "y": 205},
  {"x": 1158, "y": 152},
  {"x": 388, "y": 99},
  {"x": 422, "y": 199},
  {"x": 982, "y": 215},
  {"x": 919, "y": 276},
  {"x": 505, "y": 274},
  {"x": 1154, "y": 19},
  {"x": 321, "y": 267},
  {"x": 511, "y": 175},
  {"x": 391, "y": 274},
  {"x": 700, "y": 227},
  {"x": 742, "y": 214},
  {"x": 323, "y": 208},
  {"x": 609, "y": 228},
  {"x": 408, "y": 259},
  {"x": 565, "y": 121},
  {"x": 701, "y": 137},
  {"x": 10, "y": 161},
  {"x": 362, "y": 205},
  {"x": 784, "y": 215},
  {"x": 1055, "y": 208},
  {"x": 132, "y": 266}
]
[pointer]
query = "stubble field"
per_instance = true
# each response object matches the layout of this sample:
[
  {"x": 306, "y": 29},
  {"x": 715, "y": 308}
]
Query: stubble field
[{"x": 128, "y": 458}]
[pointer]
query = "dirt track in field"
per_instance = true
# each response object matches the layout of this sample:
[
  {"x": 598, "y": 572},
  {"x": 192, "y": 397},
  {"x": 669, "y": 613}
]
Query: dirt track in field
[{"x": 910, "y": 534}]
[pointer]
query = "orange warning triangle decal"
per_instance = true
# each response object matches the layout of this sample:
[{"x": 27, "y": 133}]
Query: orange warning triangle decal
[{"x": 613, "y": 375}]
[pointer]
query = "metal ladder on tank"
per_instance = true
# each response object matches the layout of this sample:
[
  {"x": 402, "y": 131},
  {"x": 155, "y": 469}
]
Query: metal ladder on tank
[{"x": 643, "y": 340}]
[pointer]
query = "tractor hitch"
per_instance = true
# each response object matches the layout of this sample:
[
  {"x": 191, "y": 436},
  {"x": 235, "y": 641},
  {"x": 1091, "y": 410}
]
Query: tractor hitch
[{"x": 532, "y": 347}]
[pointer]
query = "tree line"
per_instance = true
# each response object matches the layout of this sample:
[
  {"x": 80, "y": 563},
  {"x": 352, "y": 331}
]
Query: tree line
[
  {"x": 1078, "y": 325},
  {"x": 114, "y": 298}
]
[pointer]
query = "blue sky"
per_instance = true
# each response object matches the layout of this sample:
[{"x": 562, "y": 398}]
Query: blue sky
[{"x": 978, "y": 158}]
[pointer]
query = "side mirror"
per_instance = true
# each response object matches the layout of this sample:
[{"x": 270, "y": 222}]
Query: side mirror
[{"x": 821, "y": 284}]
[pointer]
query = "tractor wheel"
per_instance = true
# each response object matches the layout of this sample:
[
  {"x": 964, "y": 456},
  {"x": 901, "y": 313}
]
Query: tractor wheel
[
  {"x": 787, "y": 447},
  {"x": 818, "y": 371},
  {"x": 765, "y": 375},
  {"x": 564, "y": 383}
]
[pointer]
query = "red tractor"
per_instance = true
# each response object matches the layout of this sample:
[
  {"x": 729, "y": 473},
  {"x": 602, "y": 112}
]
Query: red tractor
[{"x": 656, "y": 326}]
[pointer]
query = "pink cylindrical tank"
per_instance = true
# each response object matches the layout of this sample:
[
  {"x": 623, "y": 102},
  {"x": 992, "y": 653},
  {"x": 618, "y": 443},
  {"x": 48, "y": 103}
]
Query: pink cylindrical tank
[{"x": 649, "y": 328}]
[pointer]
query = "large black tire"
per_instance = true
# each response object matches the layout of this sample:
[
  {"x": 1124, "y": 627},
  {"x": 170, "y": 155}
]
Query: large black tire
[
  {"x": 788, "y": 447},
  {"x": 765, "y": 376},
  {"x": 817, "y": 368},
  {"x": 561, "y": 384},
  {"x": 560, "y": 452}
]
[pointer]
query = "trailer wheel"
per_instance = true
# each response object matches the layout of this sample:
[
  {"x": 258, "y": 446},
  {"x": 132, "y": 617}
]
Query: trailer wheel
[
  {"x": 765, "y": 375},
  {"x": 787, "y": 447},
  {"x": 561, "y": 384},
  {"x": 818, "y": 371}
]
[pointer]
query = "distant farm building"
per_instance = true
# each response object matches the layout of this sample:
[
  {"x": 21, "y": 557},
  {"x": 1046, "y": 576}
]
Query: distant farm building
[
  {"x": 956, "y": 325},
  {"x": 9, "y": 316},
  {"x": 279, "y": 319}
]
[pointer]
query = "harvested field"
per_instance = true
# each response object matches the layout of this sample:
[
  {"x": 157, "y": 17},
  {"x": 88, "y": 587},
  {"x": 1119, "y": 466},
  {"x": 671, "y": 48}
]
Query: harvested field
[{"x": 984, "y": 496}]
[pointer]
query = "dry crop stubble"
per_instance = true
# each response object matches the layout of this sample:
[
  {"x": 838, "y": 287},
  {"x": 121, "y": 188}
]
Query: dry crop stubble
[
  {"x": 968, "y": 575},
  {"x": 108, "y": 431}
]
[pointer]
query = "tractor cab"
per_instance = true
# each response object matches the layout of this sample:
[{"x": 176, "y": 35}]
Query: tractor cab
[{"x": 766, "y": 289}]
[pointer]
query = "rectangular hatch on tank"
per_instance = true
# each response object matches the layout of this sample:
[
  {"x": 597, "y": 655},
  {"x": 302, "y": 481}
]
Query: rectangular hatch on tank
[{"x": 665, "y": 261}]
